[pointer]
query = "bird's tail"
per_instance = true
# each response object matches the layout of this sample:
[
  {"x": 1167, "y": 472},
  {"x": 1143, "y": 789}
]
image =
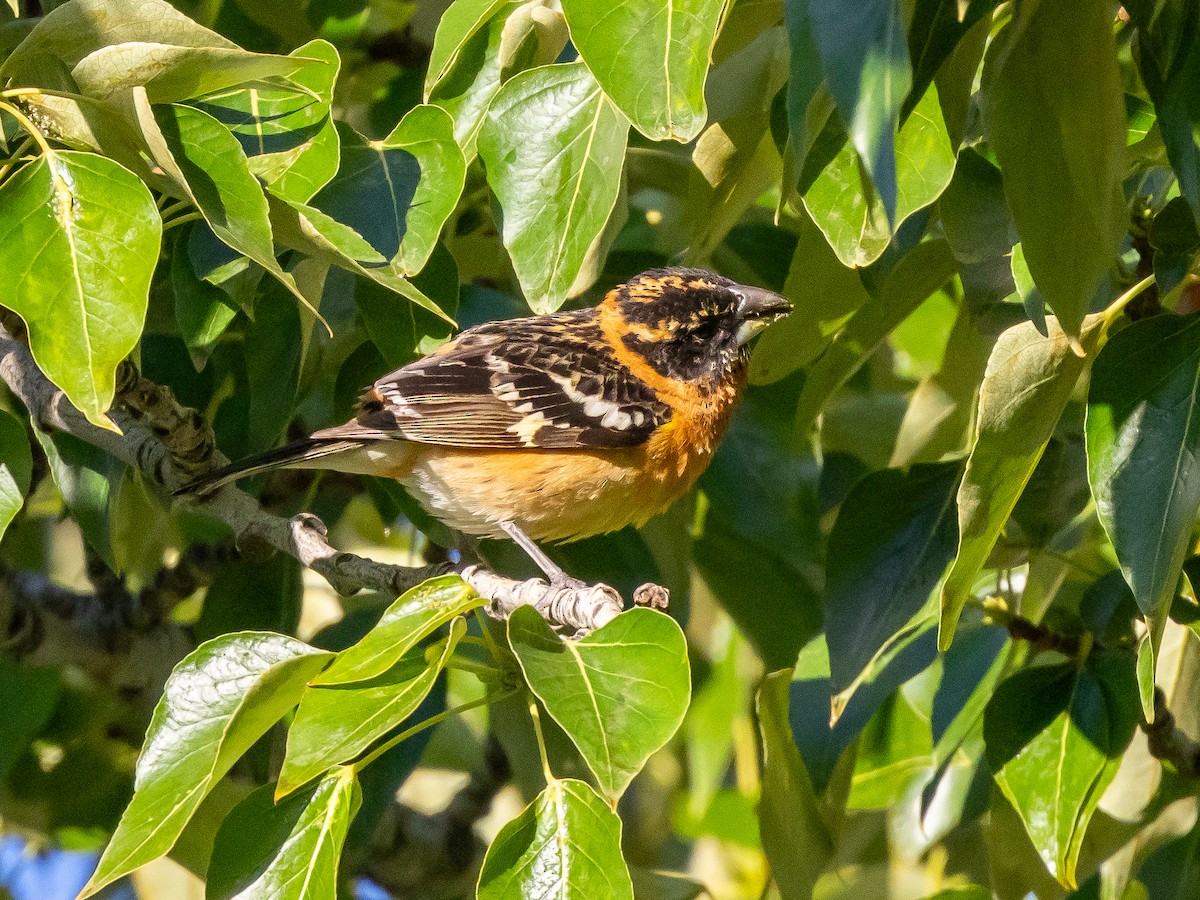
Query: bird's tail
[{"x": 296, "y": 454}]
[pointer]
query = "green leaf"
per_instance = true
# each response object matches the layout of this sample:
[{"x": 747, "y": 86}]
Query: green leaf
[
  {"x": 893, "y": 538},
  {"x": 71, "y": 31},
  {"x": 553, "y": 145},
  {"x": 86, "y": 477},
  {"x": 1143, "y": 431},
  {"x": 852, "y": 216},
  {"x": 808, "y": 105},
  {"x": 171, "y": 74},
  {"x": 1028, "y": 382},
  {"x": 795, "y": 835},
  {"x": 202, "y": 310},
  {"x": 917, "y": 275},
  {"x": 273, "y": 347},
  {"x": 21, "y": 722},
  {"x": 219, "y": 700},
  {"x": 735, "y": 158},
  {"x": 284, "y": 128},
  {"x": 936, "y": 29},
  {"x": 620, "y": 693},
  {"x": 260, "y": 596},
  {"x": 16, "y": 467},
  {"x": 826, "y": 295},
  {"x": 458, "y": 24},
  {"x": 397, "y": 193},
  {"x": 566, "y": 844},
  {"x": 208, "y": 165},
  {"x": 1054, "y": 114},
  {"x": 650, "y": 59},
  {"x": 465, "y": 68},
  {"x": 406, "y": 622},
  {"x": 865, "y": 58},
  {"x": 822, "y": 742},
  {"x": 1168, "y": 58},
  {"x": 79, "y": 236},
  {"x": 336, "y": 723},
  {"x": 1055, "y": 736},
  {"x": 285, "y": 851}
]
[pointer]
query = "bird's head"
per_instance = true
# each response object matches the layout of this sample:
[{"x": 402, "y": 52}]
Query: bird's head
[{"x": 691, "y": 323}]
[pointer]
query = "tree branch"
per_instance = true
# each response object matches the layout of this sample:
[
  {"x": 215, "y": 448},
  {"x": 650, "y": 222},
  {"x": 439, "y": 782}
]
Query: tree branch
[{"x": 171, "y": 444}]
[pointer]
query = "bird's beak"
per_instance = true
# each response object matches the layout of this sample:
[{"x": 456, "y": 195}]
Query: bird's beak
[{"x": 758, "y": 308}]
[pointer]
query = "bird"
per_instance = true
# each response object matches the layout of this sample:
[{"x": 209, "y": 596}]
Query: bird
[{"x": 552, "y": 428}]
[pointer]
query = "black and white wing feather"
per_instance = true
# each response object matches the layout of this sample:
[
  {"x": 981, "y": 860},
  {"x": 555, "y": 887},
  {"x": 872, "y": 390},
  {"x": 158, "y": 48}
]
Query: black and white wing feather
[{"x": 535, "y": 382}]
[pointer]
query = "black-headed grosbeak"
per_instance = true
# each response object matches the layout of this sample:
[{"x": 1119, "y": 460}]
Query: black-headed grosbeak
[{"x": 556, "y": 427}]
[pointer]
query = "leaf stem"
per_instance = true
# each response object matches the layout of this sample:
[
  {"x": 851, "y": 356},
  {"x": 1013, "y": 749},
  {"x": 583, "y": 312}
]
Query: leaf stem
[
  {"x": 484, "y": 672},
  {"x": 1114, "y": 309},
  {"x": 490, "y": 641},
  {"x": 32, "y": 130},
  {"x": 190, "y": 217},
  {"x": 541, "y": 741},
  {"x": 383, "y": 748},
  {"x": 168, "y": 211}
]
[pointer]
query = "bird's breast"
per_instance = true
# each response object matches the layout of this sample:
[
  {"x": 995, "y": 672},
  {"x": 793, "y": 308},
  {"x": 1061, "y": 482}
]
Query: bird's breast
[{"x": 562, "y": 495}]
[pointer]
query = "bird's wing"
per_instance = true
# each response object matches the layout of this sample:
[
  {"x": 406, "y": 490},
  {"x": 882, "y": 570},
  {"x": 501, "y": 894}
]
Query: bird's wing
[{"x": 546, "y": 381}]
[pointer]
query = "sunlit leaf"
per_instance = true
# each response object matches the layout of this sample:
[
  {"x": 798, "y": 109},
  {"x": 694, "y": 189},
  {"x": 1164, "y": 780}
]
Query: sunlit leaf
[
  {"x": 79, "y": 237},
  {"x": 657, "y": 77},
  {"x": 620, "y": 692},
  {"x": 566, "y": 845},
  {"x": 171, "y": 74},
  {"x": 851, "y": 214},
  {"x": 335, "y": 723},
  {"x": 406, "y": 622},
  {"x": 553, "y": 145},
  {"x": 1055, "y": 735},
  {"x": 284, "y": 851},
  {"x": 1028, "y": 381},
  {"x": 220, "y": 700},
  {"x": 865, "y": 58},
  {"x": 70, "y": 31}
]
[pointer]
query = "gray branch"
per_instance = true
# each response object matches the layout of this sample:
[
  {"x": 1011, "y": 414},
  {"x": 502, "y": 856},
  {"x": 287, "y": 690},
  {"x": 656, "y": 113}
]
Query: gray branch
[{"x": 170, "y": 444}]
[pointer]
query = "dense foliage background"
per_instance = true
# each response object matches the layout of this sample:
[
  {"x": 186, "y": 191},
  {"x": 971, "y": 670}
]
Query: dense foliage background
[{"x": 933, "y": 630}]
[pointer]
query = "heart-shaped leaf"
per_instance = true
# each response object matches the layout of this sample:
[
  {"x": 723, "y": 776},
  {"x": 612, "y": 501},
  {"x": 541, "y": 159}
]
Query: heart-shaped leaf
[
  {"x": 620, "y": 693},
  {"x": 553, "y": 145},
  {"x": 397, "y": 193},
  {"x": 79, "y": 236},
  {"x": 566, "y": 844},
  {"x": 220, "y": 700},
  {"x": 657, "y": 78},
  {"x": 335, "y": 723},
  {"x": 406, "y": 622}
]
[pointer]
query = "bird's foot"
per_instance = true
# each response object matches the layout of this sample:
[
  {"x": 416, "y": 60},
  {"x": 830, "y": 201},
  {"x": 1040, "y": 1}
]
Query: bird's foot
[{"x": 574, "y": 606}]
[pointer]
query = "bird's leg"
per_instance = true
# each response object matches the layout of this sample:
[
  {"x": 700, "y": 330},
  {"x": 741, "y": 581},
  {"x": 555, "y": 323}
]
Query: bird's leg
[{"x": 558, "y": 578}]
